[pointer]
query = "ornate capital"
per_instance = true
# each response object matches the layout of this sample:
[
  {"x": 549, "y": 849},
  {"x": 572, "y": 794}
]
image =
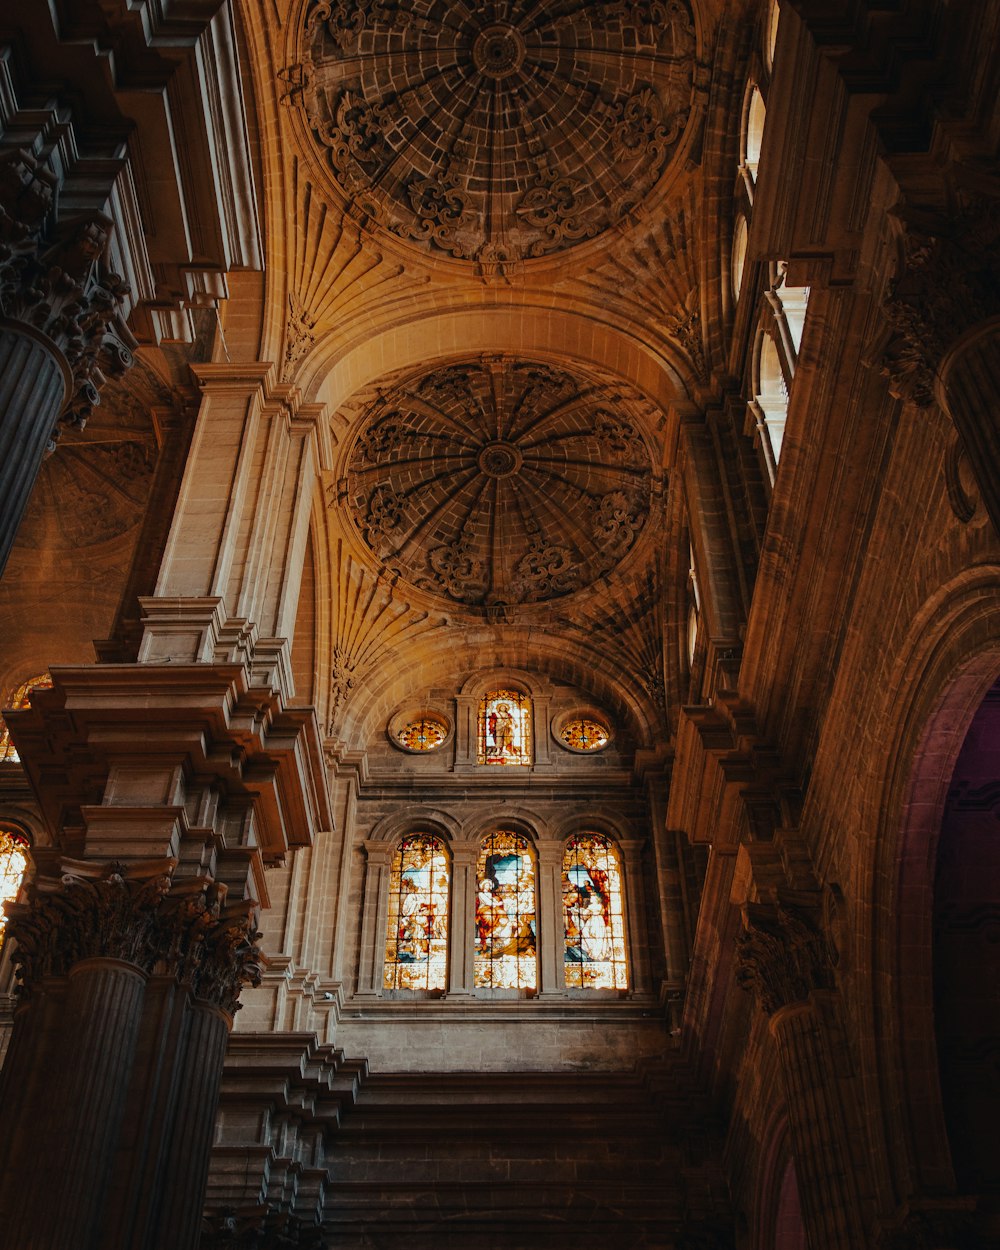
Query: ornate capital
[
  {"x": 948, "y": 282},
  {"x": 52, "y": 278},
  {"x": 258, "y": 1228},
  {"x": 111, "y": 911},
  {"x": 782, "y": 954}
]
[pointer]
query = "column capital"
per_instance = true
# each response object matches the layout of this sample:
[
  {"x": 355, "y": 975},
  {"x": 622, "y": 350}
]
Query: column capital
[
  {"x": 137, "y": 914},
  {"x": 55, "y": 285},
  {"x": 783, "y": 955},
  {"x": 947, "y": 283}
]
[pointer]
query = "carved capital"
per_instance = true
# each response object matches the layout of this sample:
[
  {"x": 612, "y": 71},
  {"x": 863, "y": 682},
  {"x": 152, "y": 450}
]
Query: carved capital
[
  {"x": 90, "y": 911},
  {"x": 259, "y": 1228},
  {"x": 111, "y": 911},
  {"x": 948, "y": 282},
  {"x": 52, "y": 279},
  {"x": 782, "y": 954}
]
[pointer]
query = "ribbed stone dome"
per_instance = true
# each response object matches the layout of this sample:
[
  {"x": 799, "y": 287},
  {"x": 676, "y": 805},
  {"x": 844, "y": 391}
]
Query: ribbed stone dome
[
  {"x": 499, "y": 482},
  {"x": 501, "y": 131}
]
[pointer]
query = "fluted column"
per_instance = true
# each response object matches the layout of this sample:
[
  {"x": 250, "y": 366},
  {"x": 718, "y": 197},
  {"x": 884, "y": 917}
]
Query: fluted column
[
  {"x": 785, "y": 959},
  {"x": 33, "y": 386},
  {"x": 61, "y": 334},
  {"x": 119, "y": 1126}
]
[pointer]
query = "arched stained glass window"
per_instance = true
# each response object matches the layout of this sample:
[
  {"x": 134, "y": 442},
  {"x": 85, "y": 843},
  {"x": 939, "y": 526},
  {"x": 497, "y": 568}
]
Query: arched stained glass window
[
  {"x": 505, "y": 914},
  {"x": 416, "y": 947},
  {"x": 19, "y": 697},
  {"x": 594, "y": 911},
  {"x": 505, "y": 728},
  {"x": 13, "y": 864}
]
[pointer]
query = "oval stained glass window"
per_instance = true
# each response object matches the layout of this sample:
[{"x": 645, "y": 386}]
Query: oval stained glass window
[
  {"x": 583, "y": 733},
  {"x": 422, "y": 734}
]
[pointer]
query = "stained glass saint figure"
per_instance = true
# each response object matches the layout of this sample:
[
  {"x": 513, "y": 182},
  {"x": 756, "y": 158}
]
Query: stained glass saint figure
[
  {"x": 416, "y": 948},
  {"x": 505, "y": 728},
  {"x": 13, "y": 863},
  {"x": 593, "y": 907},
  {"x": 505, "y": 913}
]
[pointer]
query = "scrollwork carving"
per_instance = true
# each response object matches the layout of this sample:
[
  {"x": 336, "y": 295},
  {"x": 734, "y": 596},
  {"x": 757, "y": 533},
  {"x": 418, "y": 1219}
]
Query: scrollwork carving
[
  {"x": 948, "y": 281},
  {"x": 782, "y": 955}
]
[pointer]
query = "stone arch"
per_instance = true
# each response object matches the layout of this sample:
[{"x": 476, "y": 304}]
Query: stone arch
[{"x": 950, "y": 661}]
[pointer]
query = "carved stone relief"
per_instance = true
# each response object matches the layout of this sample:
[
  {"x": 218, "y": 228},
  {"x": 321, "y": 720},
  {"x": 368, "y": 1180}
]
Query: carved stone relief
[
  {"x": 53, "y": 279},
  {"x": 496, "y": 137},
  {"x": 500, "y": 483}
]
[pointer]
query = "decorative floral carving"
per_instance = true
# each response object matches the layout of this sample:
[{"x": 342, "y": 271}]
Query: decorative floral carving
[
  {"x": 356, "y": 141},
  {"x": 639, "y": 133},
  {"x": 342, "y": 675},
  {"x": 618, "y": 437},
  {"x": 782, "y": 955},
  {"x": 384, "y": 522},
  {"x": 53, "y": 279},
  {"x": 685, "y": 326},
  {"x": 562, "y": 209},
  {"x": 380, "y": 440},
  {"x": 457, "y": 571},
  {"x": 260, "y": 1228},
  {"x": 300, "y": 335},
  {"x": 615, "y": 523},
  {"x": 443, "y": 211},
  {"x": 546, "y": 569}
]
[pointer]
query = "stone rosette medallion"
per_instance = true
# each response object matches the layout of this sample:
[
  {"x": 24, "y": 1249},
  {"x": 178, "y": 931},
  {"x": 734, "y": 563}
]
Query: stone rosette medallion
[
  {"x": 496, "y": 133},
  {"x": 497, "y": 482}
]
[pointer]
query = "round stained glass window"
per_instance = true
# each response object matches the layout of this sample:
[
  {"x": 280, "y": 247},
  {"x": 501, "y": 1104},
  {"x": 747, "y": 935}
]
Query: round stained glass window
[
  {"x": 583, "y": 733},
  {"x": 423, "y": 734}
]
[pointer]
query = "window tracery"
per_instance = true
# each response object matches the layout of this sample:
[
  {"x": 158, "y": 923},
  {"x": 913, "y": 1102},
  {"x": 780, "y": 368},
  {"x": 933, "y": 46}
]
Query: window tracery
[
  {"x": 594, "y": 914},
  {"x": 416, "y": 949},
  {"x": 585, "y": 733},
  {"x": 14, "y": 849},
  {"x": 423, "y": 734},
  {"x": 505, "y": 728},
  {"x": 19, "y": 697},
  {"x": 506, "y": 933}
]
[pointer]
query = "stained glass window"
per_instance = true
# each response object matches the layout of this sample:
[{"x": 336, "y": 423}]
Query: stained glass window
[
  {"x": 416, "y": 947},
  {"x": 505, "y": 728},
  {"x": 594, "y": 912},
  {"x": 583, "y": 734},
  {"x": 19, "y": 697},
  {"x": 424, "y": 734},
  {"x": 505, "y": 913},
  {"x": 13, "y": 862}
]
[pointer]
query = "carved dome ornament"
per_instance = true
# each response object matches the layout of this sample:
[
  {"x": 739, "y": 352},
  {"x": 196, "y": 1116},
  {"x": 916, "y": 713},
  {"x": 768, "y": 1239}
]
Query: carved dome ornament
[
  {"x": 500, "y": 133},
  {"x": 495, "y": 482}
]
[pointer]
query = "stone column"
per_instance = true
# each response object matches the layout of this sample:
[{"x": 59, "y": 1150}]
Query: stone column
[
  {"x": 785, "y": 959},
  {"x": 463, "y": 918},
  {"x": 83, "y": 946},
  {"x": 549, "y": 918},
  {"x": 61, "y": 333},
  {"x": 375, "y": 916},
  {"x": 119, "y": 1128}
]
